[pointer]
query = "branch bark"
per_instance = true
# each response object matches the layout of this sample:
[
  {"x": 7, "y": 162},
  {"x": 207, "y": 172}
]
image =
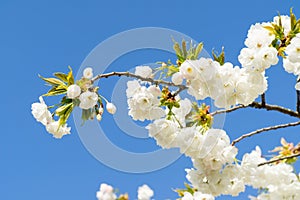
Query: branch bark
[
  {"x": 298, "y": 101},
  {"x": 279, "y": 159},
  {"x": 264, "y": 130},
  {"x": 261, "y": 106},
  {"x": 128, "y": 74}
]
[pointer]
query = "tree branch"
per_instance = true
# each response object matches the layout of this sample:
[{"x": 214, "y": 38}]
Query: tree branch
[
  {"x": 228, "y": 110},
  {"x": 279, "y": 159},
  {"x": 298, "y": 101},
  {"x": 128, "y": 74},
  {"x": 257, "y": 105},
  {"x": 264, "y": 130},
  {"x": 263, "y": 99},
  {"x": 260, "y": 106}
]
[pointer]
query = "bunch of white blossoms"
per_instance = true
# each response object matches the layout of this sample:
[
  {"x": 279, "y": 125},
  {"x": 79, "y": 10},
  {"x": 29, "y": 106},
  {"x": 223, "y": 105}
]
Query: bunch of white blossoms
[
  {"x": 82, "y": 94},
  {"x": 278, "y": 180},
  {"x": 292, "y": 61},
  {"x": 197, "y": 196},
  {"x": 41, "y": 113},
  {"x": 212, "y": 158},
  {"x": 258, "y": 55},
  {"x": 106, "y": 192},
  {"x": 143, "y": 102},
  {"x": 226, "y": 84}
]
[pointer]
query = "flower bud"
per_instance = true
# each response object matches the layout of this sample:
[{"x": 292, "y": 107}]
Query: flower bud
[
  {"x": 143, "y": 71},
  {"x": 99, "y": 117},
  {"x": 88, "y": 73},
  {"x": 111, "y": 108},
  {"x": 73, "y": 91},
  {"x": 100, "y": 110},
  {"x": 177, "y": 78}
]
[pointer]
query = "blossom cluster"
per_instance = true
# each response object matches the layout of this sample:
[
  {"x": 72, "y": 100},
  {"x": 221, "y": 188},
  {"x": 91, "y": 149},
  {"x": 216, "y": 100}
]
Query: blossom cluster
[
  {"x": 82, "y": 94},
  {"x": 106, "y": 192},
  {"x": 216, "y": 170},
  {"x": 226, "y": 84},
  {"x": 291, "y": 63},
  {"x": 180, "y": 123},
  {"x": 42, "y": 114}
]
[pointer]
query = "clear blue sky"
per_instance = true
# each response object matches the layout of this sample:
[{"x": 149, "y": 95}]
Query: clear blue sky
[{"x": 46, "y": 36}]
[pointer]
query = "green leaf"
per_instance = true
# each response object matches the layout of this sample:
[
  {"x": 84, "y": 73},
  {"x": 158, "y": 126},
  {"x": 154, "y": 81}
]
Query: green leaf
[
  {"x": 61, "y": 76},
  {"x": 219, "y": 58},
  {"x": 183, "y": 44},
  {"x": 64, "y": 112},
  {"x": 293, "y": 19},
  {"x": 55, "y": 92},
  {"x": 52, "y": 81},
  {"x": 62, "y": 109},
  {"x": 70, "y": 77},
  {"x": 86, "y": 114},
  {"x": 177, "y": 49},
  {"x": 198, "y": 49}
]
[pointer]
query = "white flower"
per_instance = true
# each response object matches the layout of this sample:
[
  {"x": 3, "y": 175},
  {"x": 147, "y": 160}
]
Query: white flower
[
  {"x": 73, "y": 91},
  {"x": 187, "y": 69},
  {"x": 111, "y": 108},
  {"x": 227, "y": 181},
  {"x": 291, "y": 67},
  {"x": 202, "y": 76},
  {"x": 293, "y": 49},
  {"x": 56, "y": 130},
  {"x": 143, "y": 102},
  {"x": 268, "y": 57},
  {"x": 258, "y": 36},
  {"x": 297, "y": 86},
  {"x": 143, "y": 71},
  {"x": 40, "y": 112},
  {"x": 164, "y": 132},
  {"x": 106, "y": 192},
  {"x": 88, "y": 100},
  {"x": 182, "y": 111},
  {"x": 197, "y": 196},
  {"x": 177, "y": 78},
  {"x": 258, "y": 59},
  {"x": 99, "y": 117},
  {"x": 190, "y": 141},
  {"x": 88, "y": 73},
  {"x": 145, "y": 192}
]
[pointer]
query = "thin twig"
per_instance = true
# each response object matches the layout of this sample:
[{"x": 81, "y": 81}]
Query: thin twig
[
  {"x": 275, "y": 108},
  {"x": 263, "y": 130},
  {"x": 298, "y": 101},
  {"x": 263, "y": 100},
  {"x": 128, "y": 74},
  {"x": 279, "y": 159},
  {"x": 260, "y": 106},
  {"x": 228, "y": 110},
  {"x": 257, "y": 105}
]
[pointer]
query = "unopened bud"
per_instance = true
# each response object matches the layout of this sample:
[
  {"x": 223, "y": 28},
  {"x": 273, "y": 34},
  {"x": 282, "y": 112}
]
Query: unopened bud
[
  {"x": 111, "y": 108},
  {"x": 100, "y": 110},
  {"x": 99, "y": 117}
]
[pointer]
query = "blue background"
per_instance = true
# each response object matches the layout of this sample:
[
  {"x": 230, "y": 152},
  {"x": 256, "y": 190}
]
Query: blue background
[{"x": 46, "y": 36}]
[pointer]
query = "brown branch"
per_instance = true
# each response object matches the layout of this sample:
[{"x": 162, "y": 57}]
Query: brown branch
[
  {"x": 256, "y": 105},
  {"x": 263, "y": 99},
  {"x": 298, "y": 101},
  {"x": 228, "y": 110},
  {"x": 260, "y": 106},
  {"x": 279, "y": 159},
  {"x": 264, "y": 130},
  {"x": 275, "y": 108},
  {"x": 128, "y": 74}
]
